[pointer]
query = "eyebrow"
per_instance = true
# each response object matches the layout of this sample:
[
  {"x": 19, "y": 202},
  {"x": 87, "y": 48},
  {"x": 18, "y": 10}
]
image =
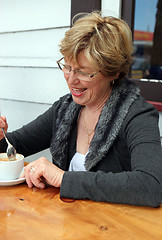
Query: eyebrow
[
  {"x": 80, "y": 67},
  {"x": 83, "y": 67}
]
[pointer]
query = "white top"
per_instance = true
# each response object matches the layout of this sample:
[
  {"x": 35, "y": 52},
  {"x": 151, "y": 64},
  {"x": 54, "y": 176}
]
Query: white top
[{"x": 77, "y": 162}]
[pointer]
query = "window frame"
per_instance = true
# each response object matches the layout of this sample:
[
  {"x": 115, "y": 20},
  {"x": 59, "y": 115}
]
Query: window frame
[
  {"x": 88, "y": 6},
  {"x": 148, "y": 87}
]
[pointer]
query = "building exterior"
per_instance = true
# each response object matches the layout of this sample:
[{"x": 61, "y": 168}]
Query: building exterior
[{"x": 30, "y": 32}]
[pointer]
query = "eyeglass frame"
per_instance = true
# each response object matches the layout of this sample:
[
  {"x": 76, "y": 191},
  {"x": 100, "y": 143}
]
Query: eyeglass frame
[{"x": 75, "y": 70}]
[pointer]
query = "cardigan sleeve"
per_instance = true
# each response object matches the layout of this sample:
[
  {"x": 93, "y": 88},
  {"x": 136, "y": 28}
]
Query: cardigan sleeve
[
  {"x": 142, "y": 185},
  {"x": 35, "y": 136}
]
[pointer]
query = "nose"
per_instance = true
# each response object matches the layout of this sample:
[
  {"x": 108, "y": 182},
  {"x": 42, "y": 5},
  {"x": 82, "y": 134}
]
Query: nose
[{"x": 72, "y": 78}]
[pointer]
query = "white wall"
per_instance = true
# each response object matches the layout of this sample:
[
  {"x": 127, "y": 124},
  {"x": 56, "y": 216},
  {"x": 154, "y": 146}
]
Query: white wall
[
  {"x": 30, "y": 32},
  {"x": 111, "y": 7}
]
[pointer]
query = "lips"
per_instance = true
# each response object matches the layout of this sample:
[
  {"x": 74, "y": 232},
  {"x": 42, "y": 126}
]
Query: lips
[{"x": 77, "y": 92}]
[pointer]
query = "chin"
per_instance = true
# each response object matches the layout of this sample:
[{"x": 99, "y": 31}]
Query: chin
[{"x": 77, "y": 100}]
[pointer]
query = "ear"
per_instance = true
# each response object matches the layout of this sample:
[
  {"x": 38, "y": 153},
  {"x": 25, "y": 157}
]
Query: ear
[
  {"x": 112, "y": 79},
  {"x": 116, "y": 76}
]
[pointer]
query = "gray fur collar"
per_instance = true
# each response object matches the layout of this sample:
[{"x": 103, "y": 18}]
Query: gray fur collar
[{"x": 107, "y": 129}]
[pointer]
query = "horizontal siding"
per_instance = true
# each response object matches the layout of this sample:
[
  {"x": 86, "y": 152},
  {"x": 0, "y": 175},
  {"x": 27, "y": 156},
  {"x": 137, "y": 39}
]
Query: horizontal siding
[
  {"x": 30, "y": 32},
  {"x": 41, "y": 85},
  {"x": 19, "y": 113},
  {"x": 35, "y": 48},
  {"x": 17, "y": 15}
]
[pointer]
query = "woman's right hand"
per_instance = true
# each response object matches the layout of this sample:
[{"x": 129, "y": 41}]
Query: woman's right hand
[{"x": 4, "y": 125}]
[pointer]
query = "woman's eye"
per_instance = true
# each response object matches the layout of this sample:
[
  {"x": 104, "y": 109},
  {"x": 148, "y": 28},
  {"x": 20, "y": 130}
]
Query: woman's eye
[
  {"x": 83, "y": 73},
  {"x": 67, "y": 67}
]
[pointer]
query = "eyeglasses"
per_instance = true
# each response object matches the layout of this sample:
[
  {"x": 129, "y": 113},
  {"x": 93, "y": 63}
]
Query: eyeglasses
[{"x": 79, "y": 74}]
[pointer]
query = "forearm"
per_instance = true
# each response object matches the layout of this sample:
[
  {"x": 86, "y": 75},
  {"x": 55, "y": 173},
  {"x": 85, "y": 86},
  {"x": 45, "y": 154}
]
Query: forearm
[
  {"x": 32, "y": 137},
  {"x": 21, "y": 144},
  {"x": 3, "y": 145},
  {"x": 135, "y": 188}
]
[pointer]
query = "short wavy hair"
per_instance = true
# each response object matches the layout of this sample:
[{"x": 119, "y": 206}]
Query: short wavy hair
[{"x": 106, "y": 41}]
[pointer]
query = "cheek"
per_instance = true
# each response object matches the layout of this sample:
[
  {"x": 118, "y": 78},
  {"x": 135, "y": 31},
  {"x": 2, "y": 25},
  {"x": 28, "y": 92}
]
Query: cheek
[
  {"x": 66, "y": 77},
  {"x": 92, "y": 92}
]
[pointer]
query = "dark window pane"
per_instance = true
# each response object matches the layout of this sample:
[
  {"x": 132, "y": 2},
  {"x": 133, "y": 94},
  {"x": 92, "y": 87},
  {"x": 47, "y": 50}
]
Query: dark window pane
[{"x": 147, "y": 40}]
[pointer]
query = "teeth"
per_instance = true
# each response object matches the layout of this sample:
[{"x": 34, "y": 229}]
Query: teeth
[{"x": 79, "y": 90}]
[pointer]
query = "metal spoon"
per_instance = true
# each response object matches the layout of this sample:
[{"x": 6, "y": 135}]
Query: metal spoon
[{"x": 11, "y": 152}]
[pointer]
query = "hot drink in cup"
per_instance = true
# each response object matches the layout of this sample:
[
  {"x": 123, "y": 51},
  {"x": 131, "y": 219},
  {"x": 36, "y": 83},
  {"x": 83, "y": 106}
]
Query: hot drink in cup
[{"x": 10, "y": 170}]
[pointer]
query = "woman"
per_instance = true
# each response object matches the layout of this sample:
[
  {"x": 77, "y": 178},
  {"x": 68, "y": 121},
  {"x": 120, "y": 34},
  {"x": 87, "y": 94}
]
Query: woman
[{"x": 104, "y": 138}]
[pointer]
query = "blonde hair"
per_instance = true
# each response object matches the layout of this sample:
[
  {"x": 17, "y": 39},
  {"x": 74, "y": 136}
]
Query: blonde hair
[{"x": 106, "y": 41}]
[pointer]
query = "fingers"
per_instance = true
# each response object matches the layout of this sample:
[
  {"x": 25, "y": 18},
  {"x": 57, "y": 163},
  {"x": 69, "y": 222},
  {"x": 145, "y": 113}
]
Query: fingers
[
  {"x": 35, "y": 177},
  {"x": 27, "y": 177},
  {"x": 30, "y": 179},
  {"x": 42, "y": 171},
  {"x": 3, "y": 122},
  {"x": 4, "y": 125}
]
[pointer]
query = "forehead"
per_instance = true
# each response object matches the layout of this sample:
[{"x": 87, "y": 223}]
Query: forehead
[{"x": 81, "y": 61}]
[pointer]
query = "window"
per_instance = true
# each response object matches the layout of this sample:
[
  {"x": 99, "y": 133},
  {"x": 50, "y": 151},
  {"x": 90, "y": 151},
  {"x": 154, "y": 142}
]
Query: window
[
  {"x": 145, "y": 19},
  {"x": 147, "y": 40}
]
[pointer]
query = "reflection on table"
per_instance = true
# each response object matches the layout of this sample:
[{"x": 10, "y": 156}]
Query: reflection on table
[{"x": 41, "y": 214}]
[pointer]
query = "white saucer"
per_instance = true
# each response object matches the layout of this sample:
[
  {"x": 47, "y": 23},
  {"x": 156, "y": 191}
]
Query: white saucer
[{"x": 11, "y": 182}]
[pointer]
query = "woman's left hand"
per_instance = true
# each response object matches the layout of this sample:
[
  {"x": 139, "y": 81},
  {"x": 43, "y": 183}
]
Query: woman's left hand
[{"x": 42, "y": 171}]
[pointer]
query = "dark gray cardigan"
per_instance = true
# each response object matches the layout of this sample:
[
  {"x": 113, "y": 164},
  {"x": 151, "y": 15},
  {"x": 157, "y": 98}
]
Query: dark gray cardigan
[{"x": 124, "y": 163}]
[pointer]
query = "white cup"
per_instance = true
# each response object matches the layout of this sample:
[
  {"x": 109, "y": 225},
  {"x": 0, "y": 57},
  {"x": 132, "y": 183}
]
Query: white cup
[{"x": 11, "y": 170}]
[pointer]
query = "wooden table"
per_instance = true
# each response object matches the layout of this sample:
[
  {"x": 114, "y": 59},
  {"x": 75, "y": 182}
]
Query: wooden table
[{"x": 29, "y": 214}]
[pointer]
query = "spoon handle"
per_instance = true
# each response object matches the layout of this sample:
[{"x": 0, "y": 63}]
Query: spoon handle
[{"x": 5, "y": 136}]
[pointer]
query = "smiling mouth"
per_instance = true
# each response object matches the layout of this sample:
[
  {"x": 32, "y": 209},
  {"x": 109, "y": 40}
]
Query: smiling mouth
[{"x": 78, "y": 91}]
